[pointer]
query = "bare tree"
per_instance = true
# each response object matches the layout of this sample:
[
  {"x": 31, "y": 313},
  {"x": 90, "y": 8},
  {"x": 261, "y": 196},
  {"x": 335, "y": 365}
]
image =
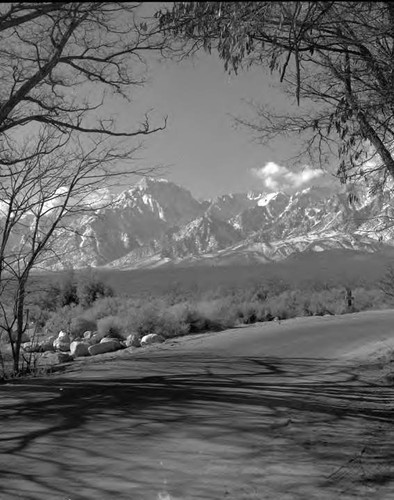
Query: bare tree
[
  {"x": 40, "y": 198},
  {"x": 51, "y": 54},
  {"x": 58, "y": 64},
  {"x": 335, "y": 58}
]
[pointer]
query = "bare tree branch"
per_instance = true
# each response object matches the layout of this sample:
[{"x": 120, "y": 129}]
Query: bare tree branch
[{"x": 337, "y": 55}]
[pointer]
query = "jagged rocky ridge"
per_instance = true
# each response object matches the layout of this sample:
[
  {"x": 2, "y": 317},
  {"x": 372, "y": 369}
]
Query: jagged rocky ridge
[{"x": 157, "y": 223}]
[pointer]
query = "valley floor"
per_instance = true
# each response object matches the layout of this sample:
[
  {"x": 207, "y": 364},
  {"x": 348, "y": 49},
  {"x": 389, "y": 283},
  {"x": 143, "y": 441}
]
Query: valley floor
[{"x": 293, "y": 410}]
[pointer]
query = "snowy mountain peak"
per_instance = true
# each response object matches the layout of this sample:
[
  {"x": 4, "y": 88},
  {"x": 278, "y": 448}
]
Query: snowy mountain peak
[
  {"x": 265, "y": 200},
  {"x": 147, "y": 182},
  {"x": 253, "y": 196},
  {"x": 156, "y": 221}
]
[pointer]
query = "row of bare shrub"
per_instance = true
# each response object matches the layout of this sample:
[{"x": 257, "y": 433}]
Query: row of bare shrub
[{"x": 118, "y": 317}]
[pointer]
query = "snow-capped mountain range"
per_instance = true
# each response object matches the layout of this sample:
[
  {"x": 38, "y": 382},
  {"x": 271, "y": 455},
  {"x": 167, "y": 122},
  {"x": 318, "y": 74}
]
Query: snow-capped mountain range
[{"x": 157, "y": 222}]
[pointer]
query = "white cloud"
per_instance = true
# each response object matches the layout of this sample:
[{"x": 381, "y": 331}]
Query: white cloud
[{"x": 278, "y": 178}]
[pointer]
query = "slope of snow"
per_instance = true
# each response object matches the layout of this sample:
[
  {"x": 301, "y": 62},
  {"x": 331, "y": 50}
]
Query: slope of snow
[
  {"x": 265, "y": 200},
  {"x": 156, "y": 222}
]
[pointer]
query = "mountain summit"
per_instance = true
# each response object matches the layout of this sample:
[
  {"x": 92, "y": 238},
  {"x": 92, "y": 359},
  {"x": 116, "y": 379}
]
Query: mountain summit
[{"x": 156, "y": 222}]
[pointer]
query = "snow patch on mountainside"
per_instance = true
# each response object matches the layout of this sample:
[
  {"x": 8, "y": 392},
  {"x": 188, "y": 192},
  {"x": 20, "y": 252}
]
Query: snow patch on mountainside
[
  {"x": 156, "y": 222},
  {"x": 265, "y": 200}
]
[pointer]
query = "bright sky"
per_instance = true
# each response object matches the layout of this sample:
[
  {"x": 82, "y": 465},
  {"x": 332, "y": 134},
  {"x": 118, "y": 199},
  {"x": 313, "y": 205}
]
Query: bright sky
[{"x": 201, "y": 147}]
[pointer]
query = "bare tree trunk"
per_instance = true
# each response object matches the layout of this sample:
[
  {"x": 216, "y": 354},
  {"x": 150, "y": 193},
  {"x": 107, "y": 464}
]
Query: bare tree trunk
[
  {"x": 380, "y": 147},
  {"x": 367, "y": 130},
  {"x": 20, "y": 324}
]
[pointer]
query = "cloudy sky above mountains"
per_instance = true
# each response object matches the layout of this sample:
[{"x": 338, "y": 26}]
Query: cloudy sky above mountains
[
  {"x": 275, "y": 177},
  {"x": 201, "y": 148}
]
